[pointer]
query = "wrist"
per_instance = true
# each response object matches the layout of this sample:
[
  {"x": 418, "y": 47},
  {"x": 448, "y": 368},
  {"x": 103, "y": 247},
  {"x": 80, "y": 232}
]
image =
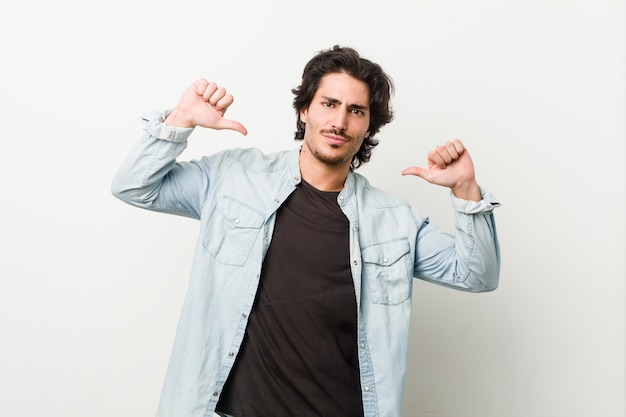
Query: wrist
[
  {"x": 467, "y": 191},
  {"x": 177, "y": 118}
]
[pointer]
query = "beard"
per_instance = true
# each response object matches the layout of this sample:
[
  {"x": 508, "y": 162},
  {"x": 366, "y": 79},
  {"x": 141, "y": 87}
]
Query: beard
[{"x": 332, "y": 154}]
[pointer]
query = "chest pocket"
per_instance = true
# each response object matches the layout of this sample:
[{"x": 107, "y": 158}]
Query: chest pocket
[
  {"x": 231, "y": 231},
  {"x": 388, "y": 271}
]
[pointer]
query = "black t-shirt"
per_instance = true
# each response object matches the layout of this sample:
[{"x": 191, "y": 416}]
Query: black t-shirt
[{"x": 299, "y": 355}]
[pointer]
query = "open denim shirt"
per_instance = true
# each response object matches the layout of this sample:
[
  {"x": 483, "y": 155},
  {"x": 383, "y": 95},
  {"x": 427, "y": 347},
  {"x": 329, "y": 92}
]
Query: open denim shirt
[{"x": 235, "y": 195}]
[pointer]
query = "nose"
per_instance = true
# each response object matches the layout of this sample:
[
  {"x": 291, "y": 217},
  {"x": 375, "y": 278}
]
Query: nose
[{"x": 340, "y": 120}]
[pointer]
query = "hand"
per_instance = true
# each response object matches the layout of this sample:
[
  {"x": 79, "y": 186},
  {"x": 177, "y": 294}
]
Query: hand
[
  {"x": 450, "y": 165},
  {"x": 204, "y": 104}
]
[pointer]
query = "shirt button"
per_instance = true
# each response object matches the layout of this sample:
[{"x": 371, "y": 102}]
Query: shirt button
[
  {"x": 231, "y": 354},
  {"x": 244, "y": 315},
  {"x": 362, "y": 345},
  {"x": 215, "y": 394},
  {"x": 385, "y": 260},
  {"x": 366, "y": 389},
  {"x": 236, "y": 221},
  {"x": 355, "y": 262}
]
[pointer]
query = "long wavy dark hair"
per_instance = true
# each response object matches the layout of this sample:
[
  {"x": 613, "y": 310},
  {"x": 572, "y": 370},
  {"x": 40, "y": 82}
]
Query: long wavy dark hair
[{"x": 347, "y": 60}]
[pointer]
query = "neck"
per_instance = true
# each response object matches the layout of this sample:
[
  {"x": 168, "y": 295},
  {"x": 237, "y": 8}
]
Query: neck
[{"x": 323, "y": 176}]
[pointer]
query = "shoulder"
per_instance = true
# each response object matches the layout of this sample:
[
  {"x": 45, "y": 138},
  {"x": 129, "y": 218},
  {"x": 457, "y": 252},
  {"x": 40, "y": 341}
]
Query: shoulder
[
  {"x": 375, "y": 197},
  {"x": 251, "y": 159}
]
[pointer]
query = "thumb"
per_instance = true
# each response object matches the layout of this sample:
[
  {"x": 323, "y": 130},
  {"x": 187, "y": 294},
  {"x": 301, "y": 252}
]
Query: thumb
[
  {"x": 228, "y": 124},
  {"x": 417, "y": 171}
]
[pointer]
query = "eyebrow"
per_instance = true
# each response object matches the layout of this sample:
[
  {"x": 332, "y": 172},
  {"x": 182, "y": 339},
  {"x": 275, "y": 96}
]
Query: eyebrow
[{"x": 351, "y": 106}]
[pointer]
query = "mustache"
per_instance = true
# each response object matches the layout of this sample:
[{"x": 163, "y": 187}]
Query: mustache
[{"x": 336, "y": 132}]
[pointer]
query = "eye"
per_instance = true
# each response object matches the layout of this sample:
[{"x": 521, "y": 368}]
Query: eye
[
  {"x": 358, "y": 112},
  {"x": 327, "y": 104}
]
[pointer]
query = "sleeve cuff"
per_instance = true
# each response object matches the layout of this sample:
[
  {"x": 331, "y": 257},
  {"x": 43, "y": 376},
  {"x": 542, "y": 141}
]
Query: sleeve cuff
[
  {"x": 153, "y": 124},
  {"x": 486, "y": 205}
]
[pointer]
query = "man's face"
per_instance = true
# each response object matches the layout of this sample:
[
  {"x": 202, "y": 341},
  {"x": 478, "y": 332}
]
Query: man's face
[{"x": 337, "y": 120}]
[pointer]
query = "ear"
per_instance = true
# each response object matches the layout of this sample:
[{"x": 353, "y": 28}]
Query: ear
[{"x": 303, "y": 113}]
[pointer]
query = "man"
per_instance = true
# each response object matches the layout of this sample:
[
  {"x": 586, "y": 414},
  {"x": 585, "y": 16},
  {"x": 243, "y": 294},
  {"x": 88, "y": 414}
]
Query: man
[{"x": 299, "y": 300}]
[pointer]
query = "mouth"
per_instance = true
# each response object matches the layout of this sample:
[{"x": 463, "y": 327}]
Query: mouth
[{"x": 335, "y": 138}]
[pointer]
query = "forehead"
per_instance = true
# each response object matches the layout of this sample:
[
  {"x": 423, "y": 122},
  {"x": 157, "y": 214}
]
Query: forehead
[{"x": 345, "y": 88}]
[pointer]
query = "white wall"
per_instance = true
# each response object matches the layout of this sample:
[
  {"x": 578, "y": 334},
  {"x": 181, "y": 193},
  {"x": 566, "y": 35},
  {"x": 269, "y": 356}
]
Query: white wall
[{"x": 90, "y": 289}]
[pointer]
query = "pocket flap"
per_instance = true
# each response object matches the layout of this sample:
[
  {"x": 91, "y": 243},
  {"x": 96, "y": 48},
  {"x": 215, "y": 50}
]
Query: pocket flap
[
  {"x": 239, "y": 215},
  {"x": 385, "y": 254}
]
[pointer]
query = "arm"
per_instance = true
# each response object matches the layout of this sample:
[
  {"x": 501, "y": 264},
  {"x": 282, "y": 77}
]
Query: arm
[
  {"x": 471, "y": 259},
  {"x": 150, "y": 177},
  {"x": 468, "y": 260}
]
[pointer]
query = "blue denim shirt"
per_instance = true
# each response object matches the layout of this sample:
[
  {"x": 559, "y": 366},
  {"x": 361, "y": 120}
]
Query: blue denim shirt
[{"x": 235, "y": 195}]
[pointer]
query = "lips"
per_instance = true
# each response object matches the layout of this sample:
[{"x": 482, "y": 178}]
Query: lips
[{"x": 333, "y": 138}]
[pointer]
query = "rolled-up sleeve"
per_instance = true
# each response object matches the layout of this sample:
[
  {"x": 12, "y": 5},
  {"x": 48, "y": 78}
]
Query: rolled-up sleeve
[
  {"x": 467, "y": 260},
  {"x": 150, "y": 177}
]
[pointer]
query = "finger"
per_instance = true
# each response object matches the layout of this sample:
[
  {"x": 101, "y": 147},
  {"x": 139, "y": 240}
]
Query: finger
[
  {"x": 417, "y": 171},
  {"x": 458, "y": 145},
  {"x": 211, "y": 88},
  {"x": 435, "y": 158},
  {"x": 200, "y": 85},
  {"x": 452, "y": 151},
  {"x": 217, "y": 95},
  {"x": 232, "y": 125},
  {"x": 224, "y": 102},
  {"x": 444, "y": 153}
]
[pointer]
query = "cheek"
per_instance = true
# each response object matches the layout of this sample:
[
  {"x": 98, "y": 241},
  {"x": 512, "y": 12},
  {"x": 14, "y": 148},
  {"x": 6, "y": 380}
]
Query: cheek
[
  {"x": 363, "y": 134},
  {"x": 355, "y": 145},
  {"x": 360, "y": 128}
]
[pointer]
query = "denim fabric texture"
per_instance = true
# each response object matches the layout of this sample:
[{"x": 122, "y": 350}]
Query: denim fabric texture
[{"x": 235, "y": 194}]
